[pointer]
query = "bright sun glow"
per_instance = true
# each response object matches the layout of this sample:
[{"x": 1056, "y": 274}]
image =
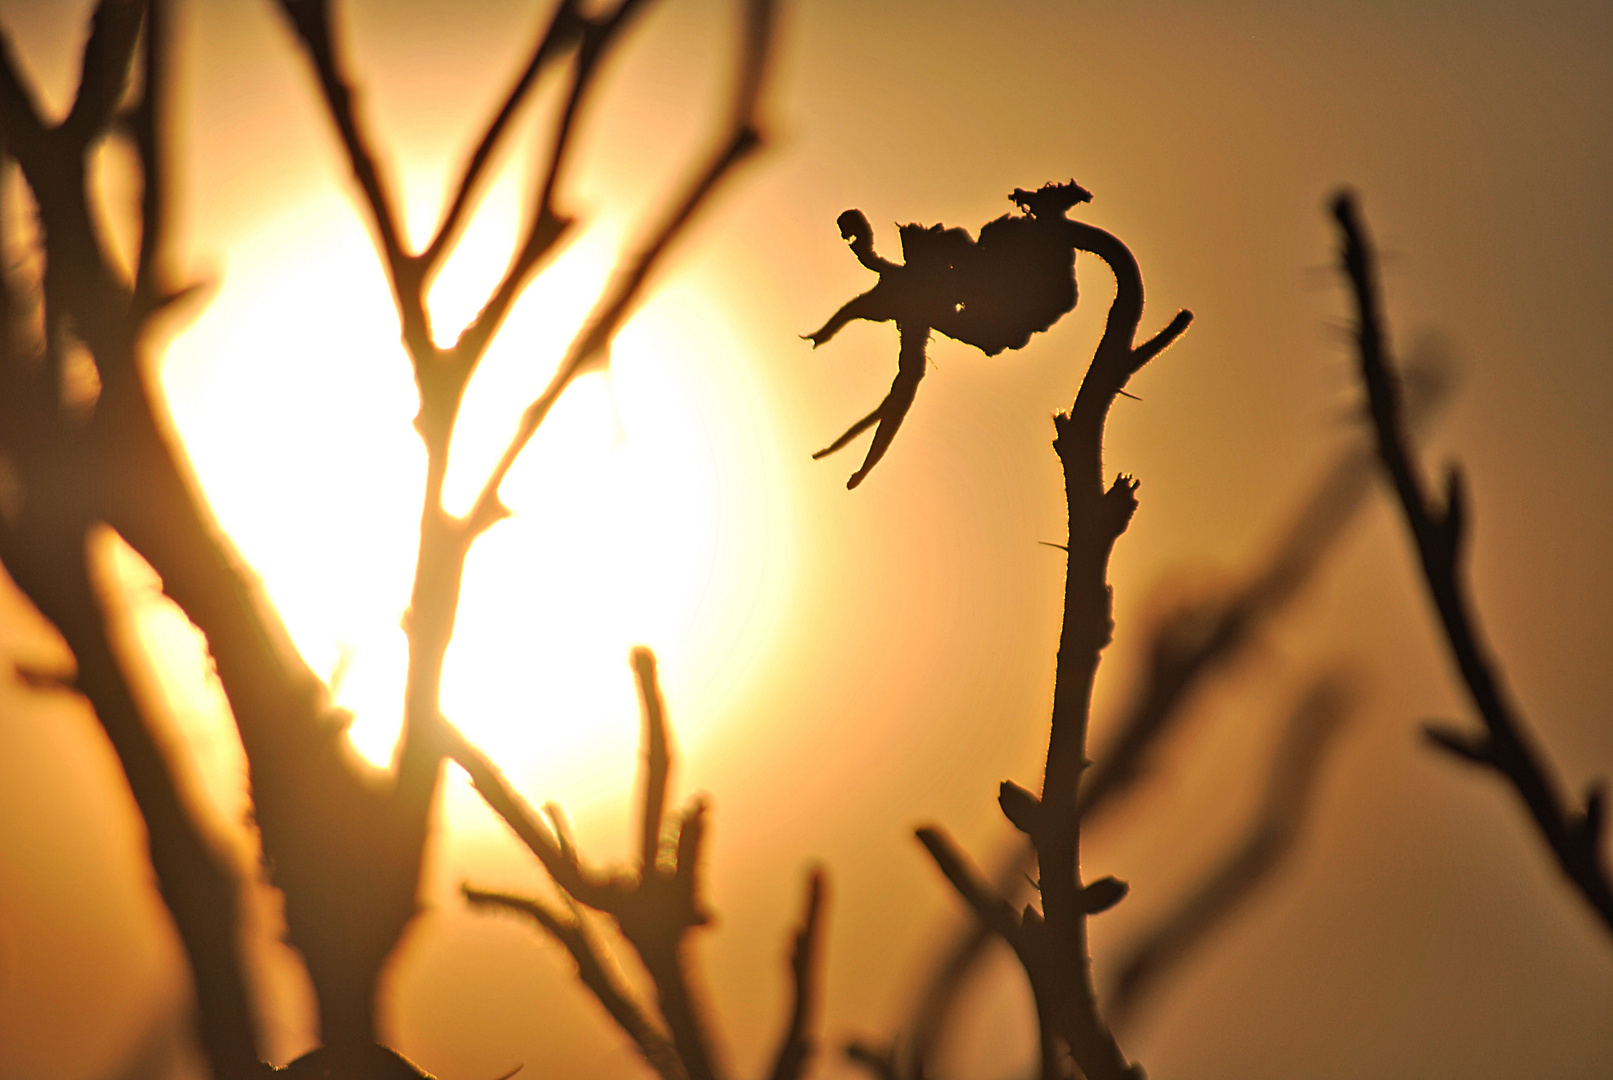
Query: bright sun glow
[{"x": 636, "y": 519}]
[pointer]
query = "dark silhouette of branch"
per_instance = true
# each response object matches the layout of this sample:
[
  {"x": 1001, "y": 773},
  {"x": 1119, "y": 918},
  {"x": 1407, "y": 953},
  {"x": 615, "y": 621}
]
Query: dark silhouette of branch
[
  {"x": 56, "y": 508},
  {"x": 597, "y": 973},
  {"x": 1264, "y": 850},
  {"x": 341, "y": 840},
  {"x": 797, "y": 1045},
  {"x": 658, "y": 902},
  {"x": 1052, "y": 943},
  {"x": 1186, "y": 648},
  {"x": 1506, "y": 746}
]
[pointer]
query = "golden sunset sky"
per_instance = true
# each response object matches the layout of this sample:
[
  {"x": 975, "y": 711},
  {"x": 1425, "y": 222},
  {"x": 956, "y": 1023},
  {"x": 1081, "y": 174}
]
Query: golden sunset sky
[{"x": 844, "y": 666}]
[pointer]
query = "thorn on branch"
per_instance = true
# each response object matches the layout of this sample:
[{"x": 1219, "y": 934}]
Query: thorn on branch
[{"x": 1021, "y": 808}]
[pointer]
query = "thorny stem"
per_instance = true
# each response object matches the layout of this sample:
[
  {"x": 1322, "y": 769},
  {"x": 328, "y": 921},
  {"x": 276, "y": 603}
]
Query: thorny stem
[
  {"x": 1096, "y": 519},
  {"x": 1182, "y": 654},
  {"x": 1574, "y": 836},
  {"x": 1052, "y": 944}
]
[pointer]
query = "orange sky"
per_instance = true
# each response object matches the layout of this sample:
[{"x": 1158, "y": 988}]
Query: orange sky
[{"x": 844, "y": 666}]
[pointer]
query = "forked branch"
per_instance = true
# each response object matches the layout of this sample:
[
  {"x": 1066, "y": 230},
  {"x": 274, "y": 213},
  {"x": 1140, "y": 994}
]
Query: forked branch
[
  {"x": 1573, "y": 835},
  {"x": 655, "y": 905}
]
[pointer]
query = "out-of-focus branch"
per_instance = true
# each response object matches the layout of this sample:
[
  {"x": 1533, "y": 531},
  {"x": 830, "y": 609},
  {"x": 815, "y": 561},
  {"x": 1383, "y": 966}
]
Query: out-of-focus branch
[
  {"x": 56, "y": 480},
  {"x": 657, "y": 757},
  {"x": 655, "y": 905},
  {"x": 798, "y": 1043},
  {"x": 741, "y": 137},
  {"x": 1573, "y": 835},
  {"x": 1270, "y": 840},
  {"x": 563, "y": 28},
  {"x": 597, "y": 973}
]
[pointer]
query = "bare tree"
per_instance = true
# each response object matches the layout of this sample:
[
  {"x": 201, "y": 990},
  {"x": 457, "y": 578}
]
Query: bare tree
[{"x": 341, "y": 841}]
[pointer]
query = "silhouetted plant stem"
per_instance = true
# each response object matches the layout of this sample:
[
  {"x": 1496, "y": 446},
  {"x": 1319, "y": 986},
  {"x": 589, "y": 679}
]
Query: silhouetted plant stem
[
  {"x": 1574, "y": 836},
  {"x": 1191, "y": 644},
  {"x": 1097, "y": 517},
  {"x": 1052, "y": 944}
]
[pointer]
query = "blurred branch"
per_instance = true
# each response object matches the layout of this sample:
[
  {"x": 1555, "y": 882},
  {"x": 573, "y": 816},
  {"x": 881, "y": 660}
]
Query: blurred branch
[
  {"x": 57, "y": 479},
  {"x": 1265, "y": 849},
  {"x": 798, "y": 1043},
  {"x": 597, "y": 973},
  {"x": 657, "y": 756},
  {"x": 657, "y": 904},
  {"x": 1573, "y": 836},
  {"x": 742, "y": 137}
]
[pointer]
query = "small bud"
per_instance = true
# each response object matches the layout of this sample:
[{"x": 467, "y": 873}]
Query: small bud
[
  {"x": 1103, "y": 894},
  {"x": 1020, "y": 807}
]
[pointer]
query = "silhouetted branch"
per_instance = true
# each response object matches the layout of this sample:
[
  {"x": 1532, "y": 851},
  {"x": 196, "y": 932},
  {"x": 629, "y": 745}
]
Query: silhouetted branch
[
  {"x": 1507, "y": 747},
  {"x": 1270, "y": 840},
  {"x": 991, "y": 909},
  {"x": 564, "y": 26},
  {"x": 656, "y": 905},
  {"x": 58, "y": 501},
  {"x": 798, "y": 1043},
  {"x": 657, "y": 756},
  {"x": 597, "y": 973},
  {"x": 1184, "y": 650},
  {"x": 1097, "y": 517},
  {"x": 621, "y": 297}
]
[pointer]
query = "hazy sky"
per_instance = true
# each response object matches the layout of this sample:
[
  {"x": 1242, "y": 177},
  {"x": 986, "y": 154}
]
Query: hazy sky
[{"x": 844, "y": 666}]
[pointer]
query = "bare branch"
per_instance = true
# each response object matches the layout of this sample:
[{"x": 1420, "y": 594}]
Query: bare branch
[
  {"x": 108, "y": 56},
  {"x": 1437, "y": 533},
  {"x": 1270, "y": 841},
  {"x": 311, "y": 19},
  {"x": 740, "y": 140},
  {"x": 657, "y": 759},
  {"x": 565, "y": 26},
  {"x": 798, "y": 1043},
  {"x": 991, "y": 909},
  {"x": 596, "y": 972}
]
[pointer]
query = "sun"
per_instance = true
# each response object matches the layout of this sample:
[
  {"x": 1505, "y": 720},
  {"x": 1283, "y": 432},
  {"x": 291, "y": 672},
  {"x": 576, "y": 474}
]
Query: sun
[{"x": 639, "y": 514}]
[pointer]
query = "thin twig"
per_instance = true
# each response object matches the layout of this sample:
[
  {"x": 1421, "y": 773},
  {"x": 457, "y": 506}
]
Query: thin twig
[
  {"x": 1507, "y": 746},
  {"x": 563, "y": 27},
  {"x": 596, "y": 972},
  {"x": 741, "y": 139},
  {"x": 795, "y": 1048},
  {"x": 657, "y": 758}
]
